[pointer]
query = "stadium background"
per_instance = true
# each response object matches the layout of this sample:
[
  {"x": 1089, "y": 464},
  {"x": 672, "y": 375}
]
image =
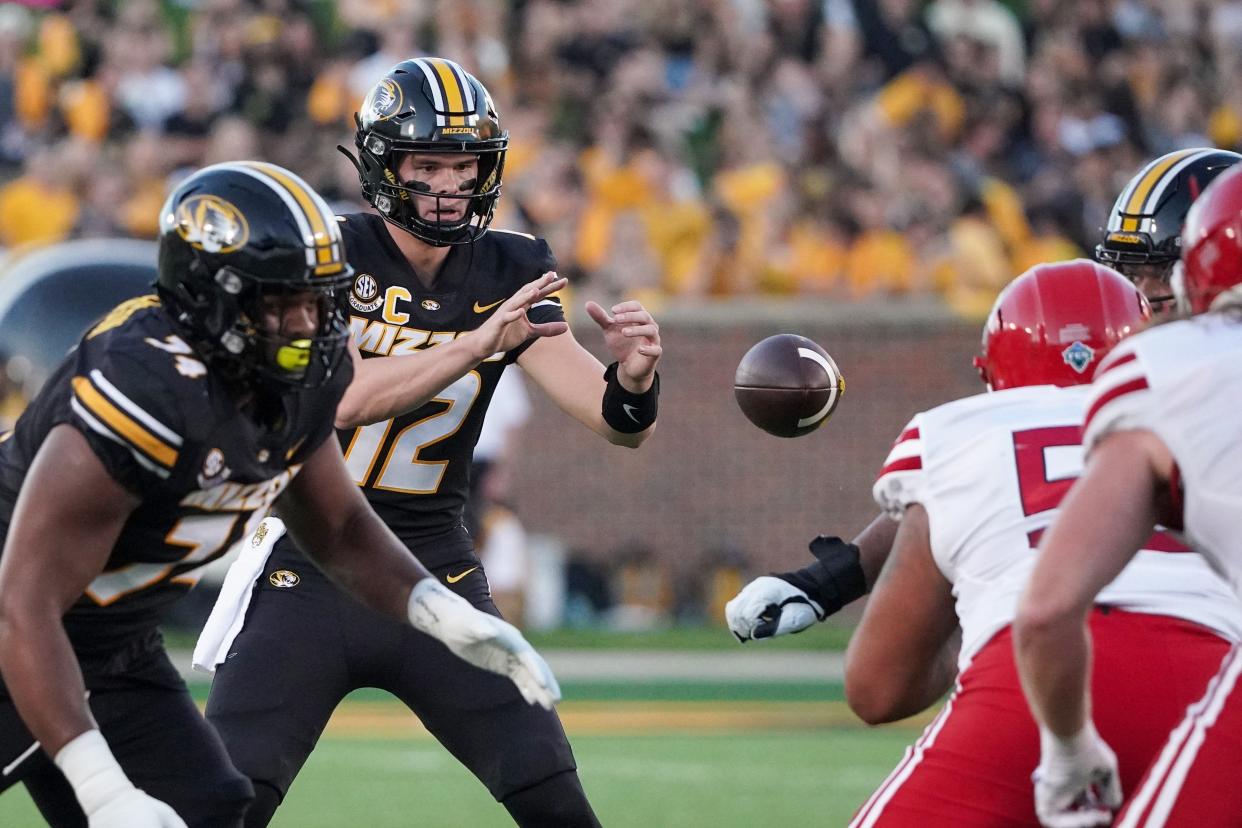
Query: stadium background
[{"x": 864, "y": 173}]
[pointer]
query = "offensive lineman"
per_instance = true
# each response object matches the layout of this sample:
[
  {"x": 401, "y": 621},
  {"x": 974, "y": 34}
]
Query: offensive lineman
[
  {"x": 430, "y": 271},
  {"x": 1164, "y": 443},
  {"x": 155, "y": 447}
]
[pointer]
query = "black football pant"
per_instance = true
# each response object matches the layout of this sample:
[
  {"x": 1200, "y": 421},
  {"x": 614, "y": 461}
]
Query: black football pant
[
  {"x": 158, "y": 737},
  {"x": 306, "y": 645}
]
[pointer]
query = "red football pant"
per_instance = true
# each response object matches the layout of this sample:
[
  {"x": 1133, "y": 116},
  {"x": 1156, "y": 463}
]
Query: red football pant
[
  {"x": 972, "y": 766},
  {"x": 1197, "y": 778}
]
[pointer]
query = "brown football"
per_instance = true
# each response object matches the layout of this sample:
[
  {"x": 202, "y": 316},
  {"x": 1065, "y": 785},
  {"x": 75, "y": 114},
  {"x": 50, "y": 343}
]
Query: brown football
[{"x": 788, "y": 385}]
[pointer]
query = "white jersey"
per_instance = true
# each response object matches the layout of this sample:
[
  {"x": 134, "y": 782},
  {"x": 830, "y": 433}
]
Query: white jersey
[
  {"x": 991, "y": 471},
  {"x": 1183, "y": 382}
]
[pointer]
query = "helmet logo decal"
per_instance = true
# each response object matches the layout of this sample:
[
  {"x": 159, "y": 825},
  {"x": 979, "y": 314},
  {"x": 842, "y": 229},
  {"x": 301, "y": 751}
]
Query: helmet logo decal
[
  {"x": 1078, "y": 356},
  {"x": 365, "y": 294},
  {"x": 383, "y": 101},
  {"x": 211, "y": 224}
]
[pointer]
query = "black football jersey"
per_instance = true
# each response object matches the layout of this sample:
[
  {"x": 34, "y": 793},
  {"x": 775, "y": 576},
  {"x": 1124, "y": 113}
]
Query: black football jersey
[
  {"x": 170, "y": 431},
  {"x": 414, "y": 468}
]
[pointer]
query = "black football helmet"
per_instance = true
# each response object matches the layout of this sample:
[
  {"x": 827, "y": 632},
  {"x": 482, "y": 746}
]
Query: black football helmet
[
  {"x": 232, "y": 234},
  {"x": 429, "y": 105},
  {"x": 1145, "y": 225}
]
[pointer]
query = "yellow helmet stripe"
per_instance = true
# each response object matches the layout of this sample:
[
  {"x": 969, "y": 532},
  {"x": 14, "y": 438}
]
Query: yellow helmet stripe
[
  {"x": 324, "y": 230},
  {"x": 454, "y": 99},
  {"x": 1147, "y": 185}
]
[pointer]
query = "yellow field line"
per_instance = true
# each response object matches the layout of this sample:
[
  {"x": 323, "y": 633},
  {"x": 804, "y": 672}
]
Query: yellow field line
[{"x": 389, "y": 720}]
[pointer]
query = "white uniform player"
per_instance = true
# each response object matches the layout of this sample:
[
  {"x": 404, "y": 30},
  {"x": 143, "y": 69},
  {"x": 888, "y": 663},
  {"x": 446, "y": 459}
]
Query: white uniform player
[
  {"x": 990, "y": 471},
  {"x": 1183, "y": 383},
  {"x": 975, "y": 483},
  {"x": 1164, "y": 440}
]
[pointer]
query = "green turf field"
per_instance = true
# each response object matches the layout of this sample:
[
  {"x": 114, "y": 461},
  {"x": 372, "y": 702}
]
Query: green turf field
[{"x": 649, "y": 764}]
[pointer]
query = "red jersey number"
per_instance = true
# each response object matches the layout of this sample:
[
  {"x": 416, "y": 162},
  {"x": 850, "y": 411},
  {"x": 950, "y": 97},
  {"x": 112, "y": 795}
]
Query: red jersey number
[{"x": 1039, "y": 494}]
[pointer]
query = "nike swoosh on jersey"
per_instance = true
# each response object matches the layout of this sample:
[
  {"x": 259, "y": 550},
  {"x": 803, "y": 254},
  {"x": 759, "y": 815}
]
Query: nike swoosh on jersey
[
  {"x": 452, "y": 579},
  {"x": 485, "y": 308}
]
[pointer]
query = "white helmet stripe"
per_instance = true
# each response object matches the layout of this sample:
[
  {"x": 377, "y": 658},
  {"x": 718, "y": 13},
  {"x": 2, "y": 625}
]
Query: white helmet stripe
[
  {"x": 295, "y": 209},
  {"x": 1157, "y": 192},
  {"x": 437, "y": 94}
]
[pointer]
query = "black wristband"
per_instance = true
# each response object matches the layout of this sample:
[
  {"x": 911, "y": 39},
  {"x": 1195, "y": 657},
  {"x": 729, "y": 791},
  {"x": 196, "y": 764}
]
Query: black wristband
[
  {"x": 625, "y": 411},
  {"x": 835, "y": 579}
]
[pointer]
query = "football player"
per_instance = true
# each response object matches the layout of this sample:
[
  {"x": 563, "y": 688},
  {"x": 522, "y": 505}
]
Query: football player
[
  {"x": 1142, "y": 242},
  {"x": 1164, "y": 444},
  {"x": 974, "y": 483},
  {"x": 156, "y": 446},
  {"x": 1143, "y": 236},
  {"x": 430, "y": 272}
]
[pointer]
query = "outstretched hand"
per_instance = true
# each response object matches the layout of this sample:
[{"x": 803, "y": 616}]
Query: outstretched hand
[
  {"x": 633, "y": 337},
  {"x": 509, "y": 326}
]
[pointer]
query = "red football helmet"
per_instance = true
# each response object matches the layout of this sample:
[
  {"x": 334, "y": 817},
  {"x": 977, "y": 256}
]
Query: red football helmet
[
  {"x": 1210, "y": 272},
  {"x": 1055, "y": 323}
]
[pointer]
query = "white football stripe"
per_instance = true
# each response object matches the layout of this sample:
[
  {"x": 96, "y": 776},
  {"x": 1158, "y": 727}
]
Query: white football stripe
[{"x": 816, "y": 357}]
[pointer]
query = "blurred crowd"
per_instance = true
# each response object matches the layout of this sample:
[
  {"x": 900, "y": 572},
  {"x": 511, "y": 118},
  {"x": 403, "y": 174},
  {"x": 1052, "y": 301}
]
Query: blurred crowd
[{"x": 664, "y": 147}]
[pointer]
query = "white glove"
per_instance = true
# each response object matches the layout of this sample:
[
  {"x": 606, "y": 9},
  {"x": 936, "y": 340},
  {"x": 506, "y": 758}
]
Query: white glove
[
  {"x": 1077, "y": 783},
  {"x": 769, "y": 606},
  {"x": 105, "y": 793},
  {"x": 483, "y": 640}
]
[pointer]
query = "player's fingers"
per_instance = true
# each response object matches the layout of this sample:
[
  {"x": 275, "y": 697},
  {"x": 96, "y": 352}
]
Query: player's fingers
[
  {"x": 1110, "y": 791},
  {"x": 549, "y": 328},
  {"x": 651, "y": 330},
  {"x": 547, "y": 678},
  {"x": 549, "y": 287},
  {"x": 650, "y": 349},
  {"x": 535, "y": 679},
  {"x": 598, "y": 315},
  {"x": 525, "y": 685},
  {"x": 639, "y": 316},
  {"x": 765, "y": 629},
  {"x": 530, "y": 291},
  {"x": 627, "y": 306}
]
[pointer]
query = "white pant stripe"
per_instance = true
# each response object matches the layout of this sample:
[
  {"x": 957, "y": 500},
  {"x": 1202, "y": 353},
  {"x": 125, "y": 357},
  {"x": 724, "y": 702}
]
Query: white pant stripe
[
  {"x": 1166, "y": 777},
  {"x": 870, "y": 812}
]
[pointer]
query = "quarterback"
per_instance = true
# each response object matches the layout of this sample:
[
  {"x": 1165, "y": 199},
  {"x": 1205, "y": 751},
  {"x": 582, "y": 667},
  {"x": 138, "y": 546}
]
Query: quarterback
[{"x": 431, "y": 273}]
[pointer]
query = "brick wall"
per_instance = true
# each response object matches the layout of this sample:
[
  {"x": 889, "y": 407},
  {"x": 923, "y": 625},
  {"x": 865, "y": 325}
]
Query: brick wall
[{"x": 707, "y": 478}]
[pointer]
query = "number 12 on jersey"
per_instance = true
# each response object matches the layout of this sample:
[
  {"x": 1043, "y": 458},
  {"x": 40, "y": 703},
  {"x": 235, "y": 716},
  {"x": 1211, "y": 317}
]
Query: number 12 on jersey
[{"x": 402, "y": 470}]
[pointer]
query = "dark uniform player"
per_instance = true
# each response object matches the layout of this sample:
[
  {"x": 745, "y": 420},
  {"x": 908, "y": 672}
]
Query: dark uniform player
[
  {"x": 157, "y": 445},
  {"x": 1143, "y": 237},
  {"x": 430, "y": 273}
]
